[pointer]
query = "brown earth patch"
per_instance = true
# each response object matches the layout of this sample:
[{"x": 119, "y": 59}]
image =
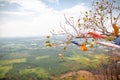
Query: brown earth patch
[{"x": 86, "y": 75}]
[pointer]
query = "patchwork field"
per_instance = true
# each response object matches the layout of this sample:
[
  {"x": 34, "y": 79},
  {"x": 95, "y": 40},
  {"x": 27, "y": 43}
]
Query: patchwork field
[{"x": 25, "y": 61}]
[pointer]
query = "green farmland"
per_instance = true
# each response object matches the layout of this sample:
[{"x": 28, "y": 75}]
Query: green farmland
[{"x": 21, "y": 60}]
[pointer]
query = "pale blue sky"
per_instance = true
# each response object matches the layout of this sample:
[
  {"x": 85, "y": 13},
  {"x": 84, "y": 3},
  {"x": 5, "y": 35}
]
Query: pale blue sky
[
  {"x": 23, "y": 18},
  {"x": 63, "y": 4}
]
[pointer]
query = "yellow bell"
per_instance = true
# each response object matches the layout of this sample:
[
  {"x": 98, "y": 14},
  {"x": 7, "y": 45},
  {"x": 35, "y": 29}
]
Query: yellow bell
[
  {"x": 92, "y": 44},
  {"x": 83, "y": 47},
  {"x": 67, "y": 42},
  {"x": 48, "y": 44},
  {"x": 65, "y": 48},
  {"x": 116, "y": 30},
  {"x": 61, "y": 56}
]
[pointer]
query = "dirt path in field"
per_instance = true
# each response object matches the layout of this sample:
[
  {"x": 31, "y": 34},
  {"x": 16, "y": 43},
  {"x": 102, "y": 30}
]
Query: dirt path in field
[{"x": 81, "y": 73}]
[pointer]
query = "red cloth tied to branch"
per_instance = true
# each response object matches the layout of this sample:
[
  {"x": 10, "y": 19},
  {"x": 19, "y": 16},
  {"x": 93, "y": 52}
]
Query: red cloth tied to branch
[{"x": 96, "y": 35}]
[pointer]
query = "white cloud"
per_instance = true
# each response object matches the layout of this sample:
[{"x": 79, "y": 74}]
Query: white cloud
[
  {"x": 33, "y": 5},
  {"x": 54, "y": 1},
  {"x": 75, "y": 11},
  {"x": 20, "y": 13},
  {"x": 36, "y": 19}
]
